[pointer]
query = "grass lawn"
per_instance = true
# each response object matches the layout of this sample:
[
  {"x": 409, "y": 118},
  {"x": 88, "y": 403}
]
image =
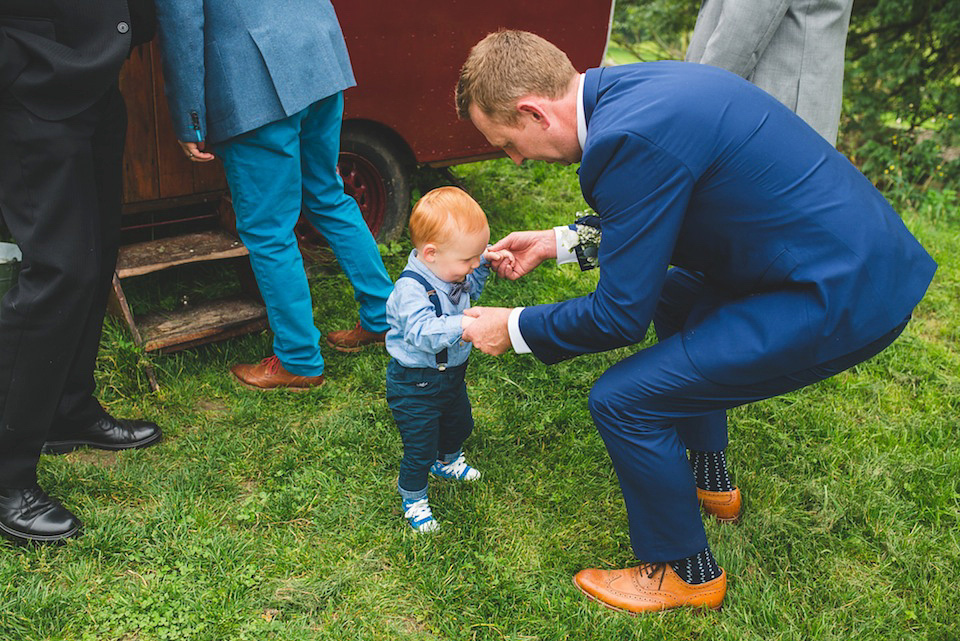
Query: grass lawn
[{"x": 274, "y": 515}]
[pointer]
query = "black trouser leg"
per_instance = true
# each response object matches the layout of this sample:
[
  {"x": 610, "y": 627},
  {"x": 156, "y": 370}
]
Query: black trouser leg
[
  {"x": 78, "y": 405},
  {"x": 50, "y": 202}
]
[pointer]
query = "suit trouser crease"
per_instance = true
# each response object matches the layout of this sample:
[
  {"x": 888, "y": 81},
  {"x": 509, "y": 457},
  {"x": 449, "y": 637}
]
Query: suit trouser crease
[
  {"x": 638, "y": 405},
  {"x": 272, "y": 172}
]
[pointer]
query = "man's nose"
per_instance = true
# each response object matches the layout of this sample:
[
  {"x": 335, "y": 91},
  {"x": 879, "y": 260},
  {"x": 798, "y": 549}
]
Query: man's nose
[{"x": 515, "y": 157}]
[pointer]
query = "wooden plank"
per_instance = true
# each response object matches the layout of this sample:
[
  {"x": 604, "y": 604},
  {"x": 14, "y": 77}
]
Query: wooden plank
[
  {"x": 118, "y": 302},
  {"x": 140, "y": 152},
  {"x": 202, "y": 323},
  {"x": 153, "y": 255}
]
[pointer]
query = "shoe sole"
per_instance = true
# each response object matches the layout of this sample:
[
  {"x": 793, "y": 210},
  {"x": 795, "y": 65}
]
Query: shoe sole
[
  {"x": 727, "y": 520},
  {"x": 353, "y": 350},
  {"x": 65, "y": 447},
  {"x": 285, "y": 388},
  {"x": 21, "y": 538},
  {"x": 696, "y": 609}
]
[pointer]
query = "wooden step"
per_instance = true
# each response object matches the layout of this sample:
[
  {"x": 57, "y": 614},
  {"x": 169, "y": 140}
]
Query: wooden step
[
  {"x": 154, "y": 255},
  {"x": 201, "y": 323}
]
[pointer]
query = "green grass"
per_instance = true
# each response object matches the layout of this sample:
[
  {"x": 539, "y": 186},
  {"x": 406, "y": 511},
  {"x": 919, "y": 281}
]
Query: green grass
[{"x": 274, "y": 516}]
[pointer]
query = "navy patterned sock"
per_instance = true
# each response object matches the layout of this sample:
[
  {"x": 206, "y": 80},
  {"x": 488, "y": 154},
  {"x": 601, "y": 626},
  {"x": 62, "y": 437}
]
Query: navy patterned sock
[
  {"x": 710, "y": 471},
  {"x": 699, "y": 568}
]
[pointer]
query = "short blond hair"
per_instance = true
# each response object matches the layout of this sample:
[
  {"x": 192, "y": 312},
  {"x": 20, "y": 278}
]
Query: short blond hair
[
  {"x": 442, "y": 213},
  {"x": 507, "y": 65}
]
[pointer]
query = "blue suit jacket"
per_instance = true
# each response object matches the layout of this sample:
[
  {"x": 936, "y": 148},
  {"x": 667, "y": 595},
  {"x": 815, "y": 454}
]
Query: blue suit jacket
[
  {"x": 231, "y": 66},
  {"x": 693, "y": 166}
]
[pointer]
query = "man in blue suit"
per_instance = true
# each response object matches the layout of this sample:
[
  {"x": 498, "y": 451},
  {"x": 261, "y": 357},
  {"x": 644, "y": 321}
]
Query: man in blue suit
[
  {"x": 788, "y": 268},
  {"x": 261, "y": 84}
]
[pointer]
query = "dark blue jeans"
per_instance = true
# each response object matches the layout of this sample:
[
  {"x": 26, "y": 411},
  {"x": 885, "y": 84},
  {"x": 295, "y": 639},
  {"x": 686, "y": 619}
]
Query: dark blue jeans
[{"x": 433, "y": 415}]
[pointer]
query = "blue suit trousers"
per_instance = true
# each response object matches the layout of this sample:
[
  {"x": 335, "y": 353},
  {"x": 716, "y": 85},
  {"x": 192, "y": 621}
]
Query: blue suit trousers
[
  {"x": 653, "y": 405},
  {"x": 274, "y": 172}
]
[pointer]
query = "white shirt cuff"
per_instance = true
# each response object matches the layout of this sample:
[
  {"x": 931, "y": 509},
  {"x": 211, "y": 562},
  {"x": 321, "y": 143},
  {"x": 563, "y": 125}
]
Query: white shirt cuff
[
  {"x": 567, "y": 239},
  {"x": 516, "y": 338}
]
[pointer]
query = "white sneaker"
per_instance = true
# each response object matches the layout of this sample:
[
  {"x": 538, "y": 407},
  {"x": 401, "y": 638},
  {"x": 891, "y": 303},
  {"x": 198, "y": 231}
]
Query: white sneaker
[
  {"x": 419, "y": 516},
  {"x": 457, "y": 470}
]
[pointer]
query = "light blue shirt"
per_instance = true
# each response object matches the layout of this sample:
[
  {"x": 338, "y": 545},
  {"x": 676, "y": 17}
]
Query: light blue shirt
[{"x": 416, "y": 333}]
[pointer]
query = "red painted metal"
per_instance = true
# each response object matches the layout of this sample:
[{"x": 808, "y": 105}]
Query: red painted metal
[{"x": 407, "y": 56}]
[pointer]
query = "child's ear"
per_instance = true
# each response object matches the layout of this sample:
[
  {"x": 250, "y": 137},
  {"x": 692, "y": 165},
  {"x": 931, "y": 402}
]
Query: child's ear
[{"x": 429, "y": 252}]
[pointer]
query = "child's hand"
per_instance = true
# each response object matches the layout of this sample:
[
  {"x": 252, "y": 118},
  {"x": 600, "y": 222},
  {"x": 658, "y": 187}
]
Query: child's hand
[
  {"x": 465, "y": 321},
  {"x": 502, "y": 257}
]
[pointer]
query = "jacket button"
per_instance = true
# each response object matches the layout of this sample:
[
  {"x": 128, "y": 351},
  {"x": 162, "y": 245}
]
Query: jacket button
[{"x": 123, "y": 27}]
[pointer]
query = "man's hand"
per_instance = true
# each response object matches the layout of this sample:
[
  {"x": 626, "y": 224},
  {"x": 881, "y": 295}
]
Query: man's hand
[
  {"x": 195, "y": 152},
  {"x": 488, "y": 332},
  {"x": 525, "y": 249}
]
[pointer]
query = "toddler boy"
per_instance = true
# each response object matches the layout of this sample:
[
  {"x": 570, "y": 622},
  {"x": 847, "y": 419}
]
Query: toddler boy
[{"x": 425, "y": 385}]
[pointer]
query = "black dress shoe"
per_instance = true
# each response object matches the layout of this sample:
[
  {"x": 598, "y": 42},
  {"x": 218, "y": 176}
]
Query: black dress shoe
[
  {"x": 106, "y": 433},
  {"x": 30, "y": 516}
]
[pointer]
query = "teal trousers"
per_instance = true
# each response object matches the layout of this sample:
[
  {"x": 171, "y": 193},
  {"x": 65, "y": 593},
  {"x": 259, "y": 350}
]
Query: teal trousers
[{"x": 275, "y": 171}]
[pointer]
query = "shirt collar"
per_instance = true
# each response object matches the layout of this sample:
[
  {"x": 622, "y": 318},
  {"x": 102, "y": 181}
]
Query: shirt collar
[{"x": 581, "y": 115}]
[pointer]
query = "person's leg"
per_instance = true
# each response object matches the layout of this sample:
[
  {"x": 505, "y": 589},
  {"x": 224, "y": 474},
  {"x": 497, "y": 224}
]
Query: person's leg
[
  {"x": 49, "y": 201},
  {"x": 80, "y": 420},
  {"x": 337, "y": 216},
  {"x": 705, "y": 437},
  {"x": 456, "y": 424},
  {"x": 412, "y": 398},
  {"x": 263, "y": 171},
  {"x": 50, "y": 205},
  {"x": 635, "y": 405}
]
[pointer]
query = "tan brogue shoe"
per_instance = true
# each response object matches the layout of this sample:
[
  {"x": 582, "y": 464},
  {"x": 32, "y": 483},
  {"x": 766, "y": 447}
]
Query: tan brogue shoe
[
  {"x": 269, "y": 374},
  {"x": 725, "y": 506},
  {"x": 649, "y": 587},
  {"x": 353, "y": 340}
]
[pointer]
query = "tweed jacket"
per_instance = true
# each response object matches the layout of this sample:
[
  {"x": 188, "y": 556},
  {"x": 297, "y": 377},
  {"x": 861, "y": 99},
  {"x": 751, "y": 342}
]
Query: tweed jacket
[{"x": 231, "y": 66}]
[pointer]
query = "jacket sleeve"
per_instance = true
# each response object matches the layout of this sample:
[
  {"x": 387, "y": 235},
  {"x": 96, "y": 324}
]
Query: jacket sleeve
[
  {"x": 740, "y": 33},
  {"x": 180, "y": 25},
  {"x": 12, "y": 60},
  {"x": 641, "y": 194}
]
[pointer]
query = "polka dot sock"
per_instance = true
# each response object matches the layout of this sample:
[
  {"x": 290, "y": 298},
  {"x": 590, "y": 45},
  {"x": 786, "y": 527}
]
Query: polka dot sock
[
  {"x": 710, "y": 471},
  {"x": 699, "y": 568}
]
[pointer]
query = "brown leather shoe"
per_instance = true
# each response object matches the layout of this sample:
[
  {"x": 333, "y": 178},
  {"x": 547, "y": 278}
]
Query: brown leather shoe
[
  {"x": 353, "y": 340},
  {"x": 649, "y": 587},
  {"x": 723, "y": 505},
  {"x": 269, "y": 374}
]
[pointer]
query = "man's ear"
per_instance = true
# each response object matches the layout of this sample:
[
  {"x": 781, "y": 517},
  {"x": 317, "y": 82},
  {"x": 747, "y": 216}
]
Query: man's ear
[
  {"x": 533, "y": 109},
  {"x": 428, "y": 252}
]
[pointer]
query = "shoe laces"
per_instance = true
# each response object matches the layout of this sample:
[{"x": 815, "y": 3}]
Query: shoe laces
[
  {"x": 652, "y": 568},
  {"x": 272, "y": 363},
  {"x": 457, "y": 468},
  {"x": 34, "y": 502},
  {"x": 419, "y": 511}
]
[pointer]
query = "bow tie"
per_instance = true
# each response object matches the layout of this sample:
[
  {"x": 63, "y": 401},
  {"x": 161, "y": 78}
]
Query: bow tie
[{"x": 456, "y": 289}]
